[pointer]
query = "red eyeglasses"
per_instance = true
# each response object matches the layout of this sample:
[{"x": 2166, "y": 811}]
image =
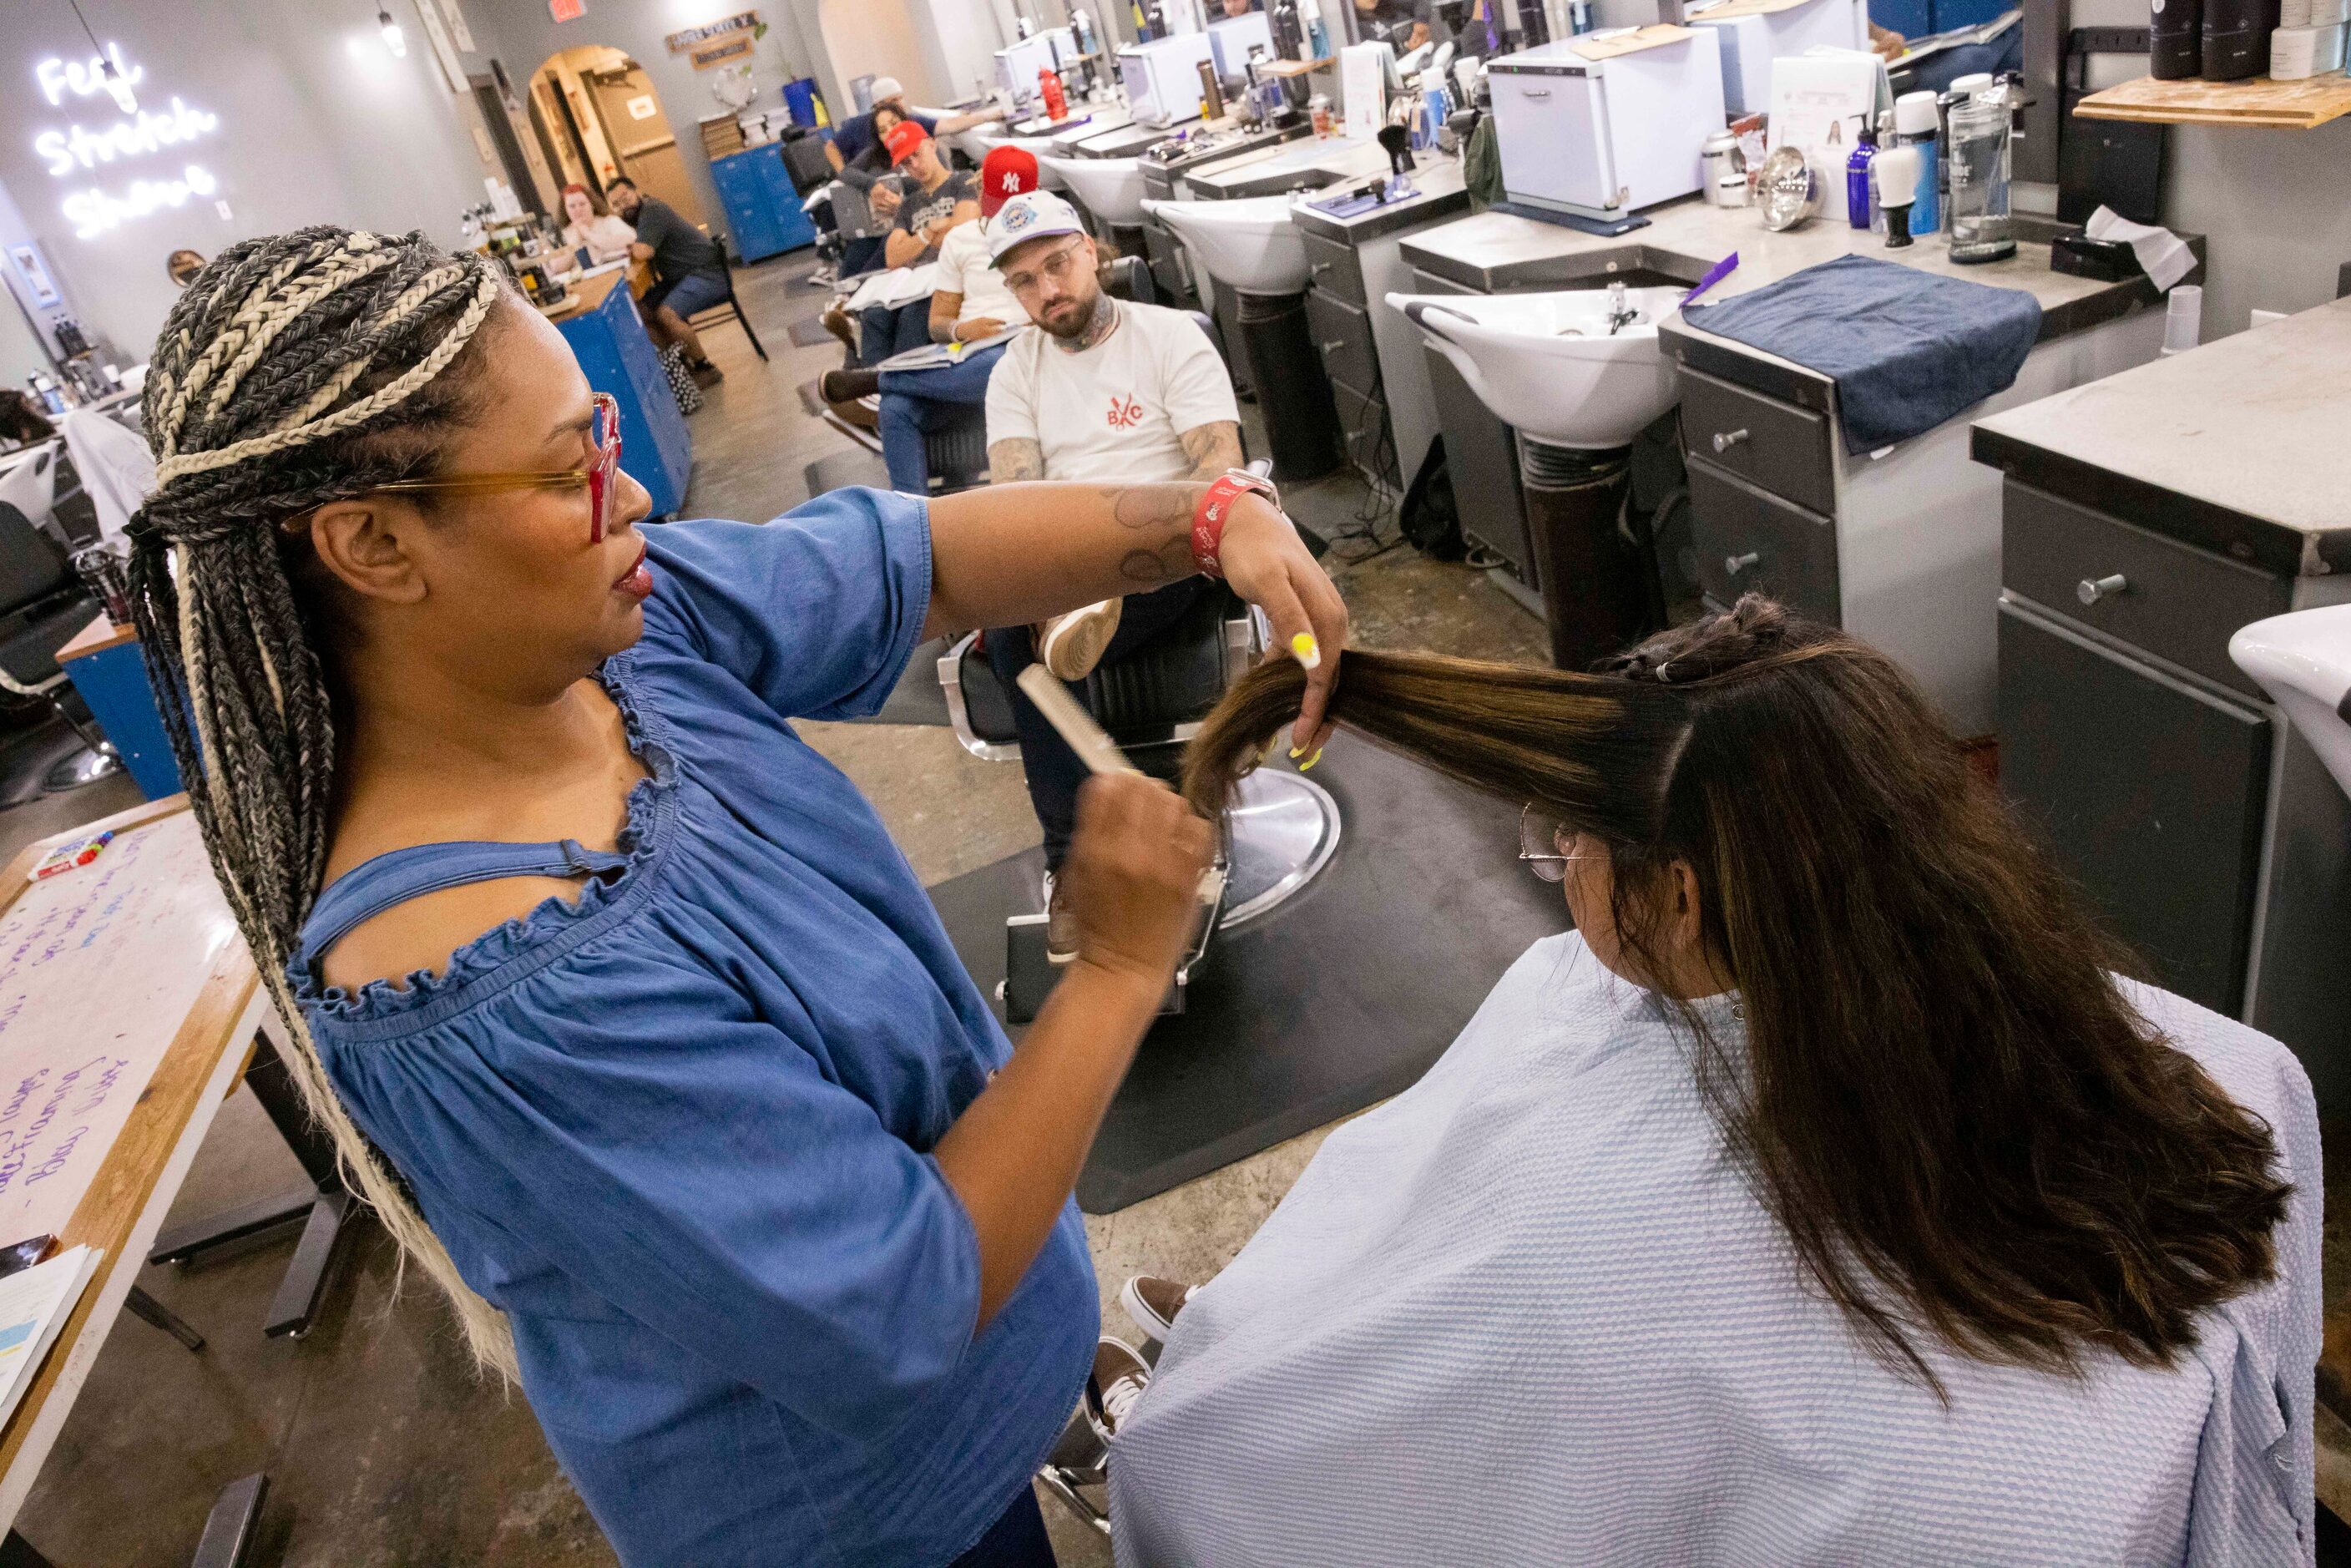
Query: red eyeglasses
[{"x": 604, "y": 432}]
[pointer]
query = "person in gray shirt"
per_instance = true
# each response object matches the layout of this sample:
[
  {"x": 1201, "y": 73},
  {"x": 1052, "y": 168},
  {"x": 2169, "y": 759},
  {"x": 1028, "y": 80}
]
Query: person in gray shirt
[{"x": 689, "y": 272}]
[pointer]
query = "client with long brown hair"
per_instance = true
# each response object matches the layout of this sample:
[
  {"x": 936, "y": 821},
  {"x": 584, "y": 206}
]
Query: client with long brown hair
[{"x": 1828, "y": 1195}]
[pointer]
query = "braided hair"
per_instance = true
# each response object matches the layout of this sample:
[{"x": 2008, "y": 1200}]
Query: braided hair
[{"x": 295, "y": 369}]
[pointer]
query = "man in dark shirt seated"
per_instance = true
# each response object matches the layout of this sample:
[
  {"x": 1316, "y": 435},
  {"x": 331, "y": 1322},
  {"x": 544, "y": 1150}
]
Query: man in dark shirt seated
[{"x": 689, "y": 272}]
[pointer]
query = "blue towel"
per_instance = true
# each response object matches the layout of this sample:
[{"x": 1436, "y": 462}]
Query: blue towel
[{"x": 1907, "y": 349}]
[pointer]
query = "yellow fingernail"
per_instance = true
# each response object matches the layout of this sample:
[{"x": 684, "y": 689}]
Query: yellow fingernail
[
  {"x": 1309, "y": 653},
  {"x": 1296, "y": 752},
  {"x": 1308, "y": 765}
]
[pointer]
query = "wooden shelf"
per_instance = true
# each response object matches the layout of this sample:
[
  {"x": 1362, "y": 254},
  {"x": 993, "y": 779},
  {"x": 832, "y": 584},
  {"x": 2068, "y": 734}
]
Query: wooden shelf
[
  {"x": 1294, "y": 67},
  {"x": 2288, "y": 105}
]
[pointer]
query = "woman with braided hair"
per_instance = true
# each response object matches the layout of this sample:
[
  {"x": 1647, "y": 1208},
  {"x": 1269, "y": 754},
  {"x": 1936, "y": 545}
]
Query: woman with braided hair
[
  {"x": 626, "y": 1014},
  {"x": 1823, "y": 1198}
]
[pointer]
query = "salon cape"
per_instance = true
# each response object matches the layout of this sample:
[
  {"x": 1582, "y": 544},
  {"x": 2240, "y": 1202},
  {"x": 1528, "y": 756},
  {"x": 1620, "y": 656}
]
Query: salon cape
[
  {"x": 681, "y": 1130},
  {"x": 1529, "y": 1312}
]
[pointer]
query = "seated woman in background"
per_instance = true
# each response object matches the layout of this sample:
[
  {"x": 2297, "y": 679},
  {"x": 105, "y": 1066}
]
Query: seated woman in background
[
  {"x": 1823, "y": 1197},
  {"x": 606, "y": 237}
]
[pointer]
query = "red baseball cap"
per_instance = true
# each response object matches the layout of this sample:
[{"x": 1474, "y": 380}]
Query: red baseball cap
[
  {"x": 901, "y": 141},
  {"x": 1008, "y": 172}
]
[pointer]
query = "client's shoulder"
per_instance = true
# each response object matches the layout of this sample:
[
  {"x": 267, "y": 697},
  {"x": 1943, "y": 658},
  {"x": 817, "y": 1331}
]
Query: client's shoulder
[{"x": 2258, "y": 1071}]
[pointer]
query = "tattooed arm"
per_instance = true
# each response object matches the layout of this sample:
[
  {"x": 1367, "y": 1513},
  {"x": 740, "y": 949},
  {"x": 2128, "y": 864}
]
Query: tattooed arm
[
  {"x": 1010, "y": 553},
  {"x": 1015, "y": 459},
  {"x": 1212, "y": 448}
]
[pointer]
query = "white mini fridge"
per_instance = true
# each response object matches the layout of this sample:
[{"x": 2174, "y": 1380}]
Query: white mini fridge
[
  {"x": 1600, "y": 138},
  {"x": 1756, "y": 32},
  {"x": 1161, "y": 78}
]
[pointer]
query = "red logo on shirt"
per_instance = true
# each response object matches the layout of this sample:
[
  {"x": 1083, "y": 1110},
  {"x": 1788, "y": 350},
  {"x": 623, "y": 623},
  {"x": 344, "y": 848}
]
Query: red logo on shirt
[{"x": 1125, "y": 413}]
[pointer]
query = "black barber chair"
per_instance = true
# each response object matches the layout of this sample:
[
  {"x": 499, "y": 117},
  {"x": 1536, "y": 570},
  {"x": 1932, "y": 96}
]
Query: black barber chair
[
  {"x": 1281, "y": 832},
  {"x": 958, "y": 453},
  {"x": 42, "y": 605}
]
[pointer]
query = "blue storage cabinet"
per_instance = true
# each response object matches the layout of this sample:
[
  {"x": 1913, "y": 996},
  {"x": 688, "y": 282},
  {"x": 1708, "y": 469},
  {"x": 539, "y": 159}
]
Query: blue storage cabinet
[
  {"x": 607, "y": 338},
  {"x": 762, "y": 208},
  {"x": 109, "y": 669}
]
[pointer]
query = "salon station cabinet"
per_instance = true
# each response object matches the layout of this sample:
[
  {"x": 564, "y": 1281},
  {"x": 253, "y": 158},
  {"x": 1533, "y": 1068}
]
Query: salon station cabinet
[
  {"x": 1899, "y": 545},
  {"x": 2144, "y": 521}
]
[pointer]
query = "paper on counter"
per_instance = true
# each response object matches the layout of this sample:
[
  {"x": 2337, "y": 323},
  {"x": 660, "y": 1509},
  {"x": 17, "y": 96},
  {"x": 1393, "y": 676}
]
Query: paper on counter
[
  {"x": 2162, "y": 255},
  {"x": 34, "y": 1305}
]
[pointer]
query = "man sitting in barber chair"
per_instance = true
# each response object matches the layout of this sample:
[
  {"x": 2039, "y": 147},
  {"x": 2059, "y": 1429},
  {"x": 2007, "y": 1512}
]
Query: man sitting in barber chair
[{"x": 1108, "y": 390}]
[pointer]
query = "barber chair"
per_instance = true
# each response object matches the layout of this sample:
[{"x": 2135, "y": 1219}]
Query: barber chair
[
  {"x": 1281, "y": 831},
  {"x": 42, "y": 605},
  {"x": 958, "y": 454}
]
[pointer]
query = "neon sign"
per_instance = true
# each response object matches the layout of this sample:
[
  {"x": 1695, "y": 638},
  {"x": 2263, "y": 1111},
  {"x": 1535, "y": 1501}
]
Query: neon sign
[
  {"x": 88, "y": 79},
  {"x": 70, "y": 149}
]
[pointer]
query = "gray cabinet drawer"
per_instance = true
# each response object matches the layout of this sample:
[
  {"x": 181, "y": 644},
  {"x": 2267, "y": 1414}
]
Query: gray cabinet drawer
[
  {"x": 1364, "y": 423},
  {"x": 1748, "y": 541},
  {"x": 1332, "y": 265},
  {"x": 2178, "y": 603},
  {"x": 1781, "y": 447},
  {"x": 1343, "y": 334}
]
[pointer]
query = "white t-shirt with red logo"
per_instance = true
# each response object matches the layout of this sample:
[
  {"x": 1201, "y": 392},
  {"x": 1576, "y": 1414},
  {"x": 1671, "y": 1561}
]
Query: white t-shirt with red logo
[{"x": 1116, "y": 411}]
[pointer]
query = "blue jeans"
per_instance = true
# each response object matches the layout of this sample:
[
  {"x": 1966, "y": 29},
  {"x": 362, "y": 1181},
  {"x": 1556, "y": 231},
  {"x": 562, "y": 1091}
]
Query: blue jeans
[
  {"x": 886, "y": 330},
  {"x": 915, "y": 403}
]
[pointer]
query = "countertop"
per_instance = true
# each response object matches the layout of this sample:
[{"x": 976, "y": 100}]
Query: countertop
[
  {"x": 1315, "y": 161},
  {"x": 2238, "y": 447},
  {"x": 1495, "y": 253},
  {"x": 1235, "y": 143},
  {"x": 1440, "y": 192}
]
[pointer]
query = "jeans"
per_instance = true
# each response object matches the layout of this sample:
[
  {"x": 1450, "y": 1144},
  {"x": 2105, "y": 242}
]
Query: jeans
[
  {"x": 1017, "y": 1540},
  {"x": 915, "y": 403},
  {"x": 1054, "y": 771},
  {"x": 886, "y": 330}
]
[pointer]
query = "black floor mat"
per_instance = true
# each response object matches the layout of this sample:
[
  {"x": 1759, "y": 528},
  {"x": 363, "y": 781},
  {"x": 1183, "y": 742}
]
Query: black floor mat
[
  {"x": 918, "y": 698},
  {"x": 839, "y": 470},
  {"x": 1342, "y": 998},
  {"x": 811, "y": 399},
  {"x": 27, "y": 751}
]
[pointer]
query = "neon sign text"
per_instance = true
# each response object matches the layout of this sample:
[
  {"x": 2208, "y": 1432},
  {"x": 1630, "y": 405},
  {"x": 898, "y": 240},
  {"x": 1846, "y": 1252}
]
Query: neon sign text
[
  {"x": 87, "y": 78},
  {"x": 75, "y": 147},
  {"x": 93, "y": 212}
]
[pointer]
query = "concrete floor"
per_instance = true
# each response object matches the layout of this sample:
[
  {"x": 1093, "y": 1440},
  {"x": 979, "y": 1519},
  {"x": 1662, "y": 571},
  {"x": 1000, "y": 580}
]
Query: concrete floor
[{"x": 383, "y": 1448}]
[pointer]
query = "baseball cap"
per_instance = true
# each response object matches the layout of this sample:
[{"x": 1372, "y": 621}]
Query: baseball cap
[
  {"x": 883, "y": 88},
  {"x": 901, "y": 141},
  {"x": 1025, "y": 217},
  {"x": 1008, "y": 172}
]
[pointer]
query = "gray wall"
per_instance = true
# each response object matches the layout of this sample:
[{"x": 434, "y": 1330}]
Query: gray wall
[{"x": 317, "y": 124}]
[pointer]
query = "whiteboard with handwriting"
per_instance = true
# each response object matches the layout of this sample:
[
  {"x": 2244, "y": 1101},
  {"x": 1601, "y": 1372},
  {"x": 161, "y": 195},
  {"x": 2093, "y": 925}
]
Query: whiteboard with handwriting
[{"x": 98, "y": 967}]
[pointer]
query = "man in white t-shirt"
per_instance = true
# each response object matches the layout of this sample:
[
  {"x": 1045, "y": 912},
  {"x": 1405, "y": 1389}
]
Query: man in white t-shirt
[
  {"x": 1107, "y": 391},
  {"x": 969, "y": 305}
]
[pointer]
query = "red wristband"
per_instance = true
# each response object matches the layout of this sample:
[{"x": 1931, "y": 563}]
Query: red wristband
[{"x": 1215, "y": 506}]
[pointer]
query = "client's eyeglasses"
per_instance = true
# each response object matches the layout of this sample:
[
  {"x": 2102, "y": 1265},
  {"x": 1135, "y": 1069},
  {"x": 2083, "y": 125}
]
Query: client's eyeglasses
[
  {"x": 601, "y": 479},
  {"x": 1057, "y": 266},
  {"x": 1540, "y": 836}
]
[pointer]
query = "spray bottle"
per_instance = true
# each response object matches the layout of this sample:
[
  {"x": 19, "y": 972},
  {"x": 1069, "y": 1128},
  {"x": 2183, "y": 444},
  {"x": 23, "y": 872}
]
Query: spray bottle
[{"x": 1318, "y": 36}]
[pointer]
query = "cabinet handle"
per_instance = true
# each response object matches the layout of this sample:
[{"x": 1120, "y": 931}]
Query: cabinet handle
[
  {"x": 2090, "y": 589},
  {"x": 1735, "y": 564},
  {"x": 1318, "y": 267},
  {"x": 1335, "y": 346},
  {"x": 1724, "y": 441},
  {"x": 1535, "y": 92}
]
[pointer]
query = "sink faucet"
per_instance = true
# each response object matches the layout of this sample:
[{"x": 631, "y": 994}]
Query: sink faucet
[{"x": 1621, "y": 313}]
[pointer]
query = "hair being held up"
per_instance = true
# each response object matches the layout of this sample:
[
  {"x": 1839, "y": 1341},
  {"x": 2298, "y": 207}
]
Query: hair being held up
[
  {"x": 295, "y": 370},
  {"x": 1943, "y": 1097}
]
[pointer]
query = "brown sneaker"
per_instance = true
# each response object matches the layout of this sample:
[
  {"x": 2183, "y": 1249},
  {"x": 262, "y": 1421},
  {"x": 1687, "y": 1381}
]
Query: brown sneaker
[
  {"x": 1152, "y": 1303},
  {"x": 1060, "y": 924},
  {"x": 1072, "y": 645},
  {"x": 704, "y": 373},
  {"x": 848, "y": 386},
  {"x": 837, "y": 322},
  {"x": 1121, "y": 1374}
]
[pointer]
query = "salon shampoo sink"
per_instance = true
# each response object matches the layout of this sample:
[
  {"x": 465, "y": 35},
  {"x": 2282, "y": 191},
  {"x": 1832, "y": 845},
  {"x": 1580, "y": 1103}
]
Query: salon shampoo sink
[
  {"x": 1111, "y": 188},
  {"x": 1547, "y": 363},
  {"x": 1251, "y": 245},
  {"x": 2303, "y": 660}
]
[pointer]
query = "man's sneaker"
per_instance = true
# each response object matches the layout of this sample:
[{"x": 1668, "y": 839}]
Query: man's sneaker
[
  {"x": 825, "y": 275},
  {"x": 1072, "y": 645},
  {"x": 1060, "y": 924},
  {"x": 704, "y": 373},
  {"x": 1121, "y": 1374},
  {"x": 1152, "y": 1303},
  {"x": 848, "y": 386},
  {"x": 837, "y": 322}
]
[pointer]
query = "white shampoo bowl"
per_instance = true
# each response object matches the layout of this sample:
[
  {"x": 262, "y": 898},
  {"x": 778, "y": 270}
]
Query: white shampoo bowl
[
  {"x": 1111, "y": 188},
  {"x": 2303, "y": 660},
  {"x": 1249, "y": 245},
  {"x": 1546, "y": 363}
]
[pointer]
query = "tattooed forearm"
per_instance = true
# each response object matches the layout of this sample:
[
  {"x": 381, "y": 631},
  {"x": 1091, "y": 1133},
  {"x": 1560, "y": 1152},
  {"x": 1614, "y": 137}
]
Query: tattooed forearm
[
  {"x": 1171, "y": 562},
  {"x": 1212, "y": 448},
  {"x": 1014, "y": 458},
  {"x": 1148, "y": 507}
]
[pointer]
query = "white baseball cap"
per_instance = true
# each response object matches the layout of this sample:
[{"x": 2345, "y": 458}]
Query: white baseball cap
[
  {"x": 885, "y": 89},
  {"x": 1025, "y": 217}
]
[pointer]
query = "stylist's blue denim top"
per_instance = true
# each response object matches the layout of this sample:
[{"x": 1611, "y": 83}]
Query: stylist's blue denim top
[{"x": 680, "y": 1130}]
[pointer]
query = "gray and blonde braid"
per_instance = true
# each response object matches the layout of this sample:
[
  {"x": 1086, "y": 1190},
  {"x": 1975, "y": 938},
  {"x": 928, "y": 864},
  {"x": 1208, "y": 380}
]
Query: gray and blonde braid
[{"x": 295, "y": 369}]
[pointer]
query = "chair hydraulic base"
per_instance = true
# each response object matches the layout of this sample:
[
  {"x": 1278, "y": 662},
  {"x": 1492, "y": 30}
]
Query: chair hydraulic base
[
  {"x": 1079, "y": 1459},
  {"x": 320, "y": 1209}
]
